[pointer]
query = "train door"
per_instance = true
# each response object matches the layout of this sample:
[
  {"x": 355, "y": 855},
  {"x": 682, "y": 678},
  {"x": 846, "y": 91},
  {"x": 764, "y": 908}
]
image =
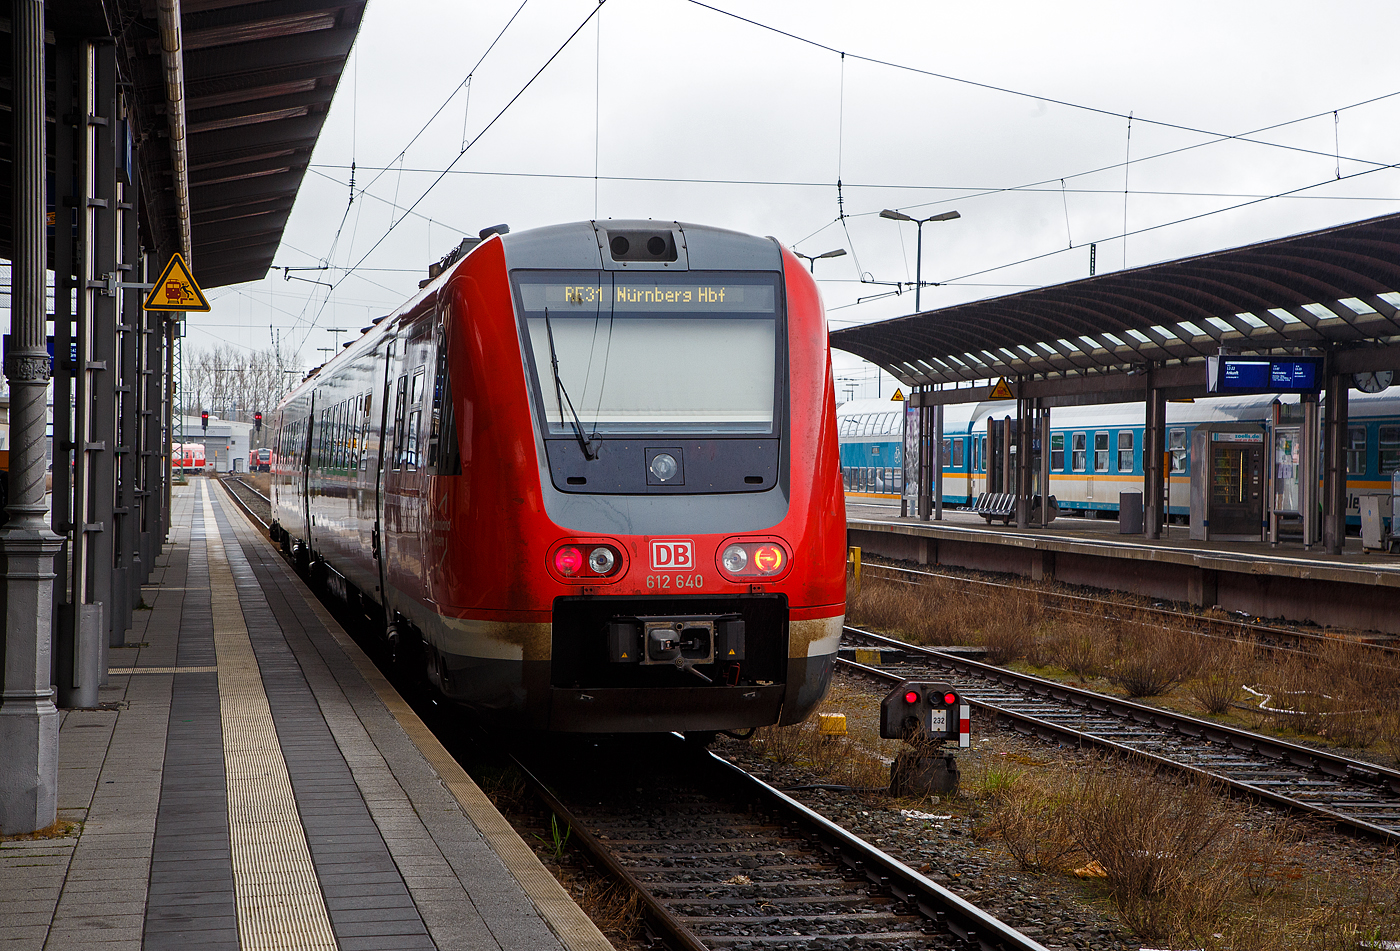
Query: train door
[{"x": 378, "y": 532}]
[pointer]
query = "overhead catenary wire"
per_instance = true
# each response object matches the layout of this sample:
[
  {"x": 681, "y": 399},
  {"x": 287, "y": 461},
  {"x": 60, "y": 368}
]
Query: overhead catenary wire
[
  {"x": 477, "y": 138},
  {"x": 1009, "y": 91}
]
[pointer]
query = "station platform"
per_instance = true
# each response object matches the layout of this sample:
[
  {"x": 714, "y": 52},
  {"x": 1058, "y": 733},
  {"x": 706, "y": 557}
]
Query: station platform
[
  {"x": 252, "y": 781},
  {"x": 1355, "y": 590}
]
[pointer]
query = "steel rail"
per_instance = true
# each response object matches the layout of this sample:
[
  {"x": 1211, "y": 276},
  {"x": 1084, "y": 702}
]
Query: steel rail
[
  {"x": 975, "y": 928},
  {"x": 1094, "y": 607},
  {"x": 243, "y": 506},
  {"x": 1335, "y": 768},
  {"x": 965, "y": 920}
]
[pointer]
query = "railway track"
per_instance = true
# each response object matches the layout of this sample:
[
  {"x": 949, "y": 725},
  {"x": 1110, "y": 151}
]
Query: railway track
[
  {"x": 1358, "y": 796},
  {"x": 254, "y": 504},
  {"x": 722, "y": 860},
  {"x": 1099, "y": 608}
]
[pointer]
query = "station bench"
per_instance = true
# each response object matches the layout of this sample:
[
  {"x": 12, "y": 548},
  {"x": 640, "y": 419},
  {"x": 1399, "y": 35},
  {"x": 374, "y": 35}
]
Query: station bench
[{"x": 1002, "y": 505}]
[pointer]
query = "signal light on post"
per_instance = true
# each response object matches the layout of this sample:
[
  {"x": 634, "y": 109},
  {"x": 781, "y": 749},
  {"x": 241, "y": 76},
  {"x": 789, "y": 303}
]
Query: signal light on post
[
  {"x": 204, "y": 420},
  {"x": 257, "y": 421}
]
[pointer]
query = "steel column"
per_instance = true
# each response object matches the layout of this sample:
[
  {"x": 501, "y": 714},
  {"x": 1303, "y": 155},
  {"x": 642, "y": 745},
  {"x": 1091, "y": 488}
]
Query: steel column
[
  {"x": 152, "y": 438},
  {"x": 1044, "y": 431},
  {"x": 1308, "y": 500},
  {"x": 1023, "y": 463},
  {"x": 1154, "y": 447},
  {"x": 1334, "y": 463},
  {"x": 938, "y": 462},
  {"x": 127, "y": 571},
  {"x": 28, "y": 717}
]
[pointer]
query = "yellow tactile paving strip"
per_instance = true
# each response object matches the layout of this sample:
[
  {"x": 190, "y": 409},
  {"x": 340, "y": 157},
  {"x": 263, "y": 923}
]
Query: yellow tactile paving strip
[
  {"x": 276, "y": 891},
  {"x": 575, "y": 930}
]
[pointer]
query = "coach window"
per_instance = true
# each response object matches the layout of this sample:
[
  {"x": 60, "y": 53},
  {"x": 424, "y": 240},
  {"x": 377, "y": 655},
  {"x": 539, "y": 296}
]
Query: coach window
[
  {"x": 1100, "y": 452},
  {"x": 1078, "y": 454},
  {"x": 1356, "y": 450},
  {"x": 1125, "y": 450},
  {"x": 1389, "y": 443},
  {"x": 400, "y": 406},
  {"x": 957, "y": 453},
  {"x": 1176, "y": 445},
  {"x": 1057, "y": 451}
]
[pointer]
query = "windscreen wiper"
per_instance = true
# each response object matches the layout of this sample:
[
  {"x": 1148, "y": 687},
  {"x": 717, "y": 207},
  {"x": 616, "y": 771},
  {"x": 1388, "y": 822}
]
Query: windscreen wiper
[{"x": 589, "y": 445}]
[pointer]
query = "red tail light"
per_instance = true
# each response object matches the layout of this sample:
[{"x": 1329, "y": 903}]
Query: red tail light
[{"x": 568, "y": 560}]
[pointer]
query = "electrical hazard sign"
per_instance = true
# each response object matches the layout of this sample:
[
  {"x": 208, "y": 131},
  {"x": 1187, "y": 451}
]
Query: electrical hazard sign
[
  {"x": 1002, "y": 391},
  {"x": 176, "y": 289}
]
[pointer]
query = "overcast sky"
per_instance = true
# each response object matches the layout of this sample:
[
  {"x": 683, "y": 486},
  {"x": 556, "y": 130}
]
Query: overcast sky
[{"x": 1015, "y": 114}]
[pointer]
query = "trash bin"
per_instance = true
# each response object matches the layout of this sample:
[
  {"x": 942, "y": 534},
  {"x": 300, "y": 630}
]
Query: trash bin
[{"x": 1129, "y": 513}]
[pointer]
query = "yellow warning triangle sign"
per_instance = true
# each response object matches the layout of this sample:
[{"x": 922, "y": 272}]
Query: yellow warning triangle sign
[
  {"x": 898, "y": 396},
  {"x": 176, "y": 289},
  {"x": 1002, "y": 391}
]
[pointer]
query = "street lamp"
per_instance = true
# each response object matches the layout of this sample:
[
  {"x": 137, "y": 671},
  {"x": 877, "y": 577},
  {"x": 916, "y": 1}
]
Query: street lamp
[
  {"x": 812, "y": 259},
  {"x": 919, "y": 259}
]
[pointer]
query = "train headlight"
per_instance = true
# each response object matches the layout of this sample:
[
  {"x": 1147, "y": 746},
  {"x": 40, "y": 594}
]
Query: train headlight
[
  {"x": 601, "y": 560},
  {"x": 664, "y": 467},
  {"x": 568, "y": 560},
  {"x": 735, "y": 559}
]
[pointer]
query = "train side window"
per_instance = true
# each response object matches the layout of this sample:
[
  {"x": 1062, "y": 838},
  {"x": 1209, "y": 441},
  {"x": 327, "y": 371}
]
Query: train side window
[
  {"x": 1057, "y": 451},
  {"x": 1100, "y": 452},
  {"x": 1176, "y": 445},
  {"x": 1125, "y": 450},
  {"x": 1389, "y": 444},
  {"x": 364, "y": 430},
  {"x": 957, "y": 453},
  {"x": 1356, "y": 450},
  {"x": 400, "y": 406},
  {"x": 1078, "y": 453}
]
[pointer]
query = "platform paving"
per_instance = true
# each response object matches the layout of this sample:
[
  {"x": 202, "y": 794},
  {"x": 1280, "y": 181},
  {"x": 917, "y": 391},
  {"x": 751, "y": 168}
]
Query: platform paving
[{"x": 251, "y": 781}]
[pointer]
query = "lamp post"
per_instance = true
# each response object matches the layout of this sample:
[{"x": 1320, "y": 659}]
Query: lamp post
[
  {"x": 919, "y": 257},
  {"x": 812, "y": 259}
]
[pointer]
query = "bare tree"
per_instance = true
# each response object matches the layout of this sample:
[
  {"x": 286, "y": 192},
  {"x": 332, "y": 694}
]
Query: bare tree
[{"x": 233, "y": 383}]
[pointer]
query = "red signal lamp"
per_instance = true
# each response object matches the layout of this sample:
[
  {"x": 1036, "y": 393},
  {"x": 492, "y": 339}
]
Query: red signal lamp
[
  {"x": 911, "y": 697},
  {"x": 950, "y": 698}
]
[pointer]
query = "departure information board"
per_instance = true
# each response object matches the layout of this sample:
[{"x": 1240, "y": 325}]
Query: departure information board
[{"x": 1264, "y": 374}]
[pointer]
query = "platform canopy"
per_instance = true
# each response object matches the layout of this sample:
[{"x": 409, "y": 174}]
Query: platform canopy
[
  {"x": 258, "y": 81},
  {"x": 1330, "y": 291}
]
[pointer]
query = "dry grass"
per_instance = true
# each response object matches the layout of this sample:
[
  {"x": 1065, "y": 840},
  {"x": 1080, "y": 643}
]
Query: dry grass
[
  {"x": 853, "y": 760},
  {"x": 1148, "y": 659},
  {"x": 1180, "y": 862},
  {"x": 59, "y": 830},
  {"x": 1342, "y": 692},
  {"x": 1218, "y": 684}
]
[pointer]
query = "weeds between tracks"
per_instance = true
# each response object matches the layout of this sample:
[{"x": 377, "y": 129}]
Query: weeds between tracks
[{"x": 1341, "y": 692}]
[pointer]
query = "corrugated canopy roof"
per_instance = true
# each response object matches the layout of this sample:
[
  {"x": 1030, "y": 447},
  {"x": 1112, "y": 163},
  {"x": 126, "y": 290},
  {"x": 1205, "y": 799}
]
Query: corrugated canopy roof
[
  {"x": 259, "y": 78},
  {"x": 1330, "y": 289}
]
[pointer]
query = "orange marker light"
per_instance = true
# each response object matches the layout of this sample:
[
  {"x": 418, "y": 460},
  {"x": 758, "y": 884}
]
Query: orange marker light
[{"x": 768, "y": 559}]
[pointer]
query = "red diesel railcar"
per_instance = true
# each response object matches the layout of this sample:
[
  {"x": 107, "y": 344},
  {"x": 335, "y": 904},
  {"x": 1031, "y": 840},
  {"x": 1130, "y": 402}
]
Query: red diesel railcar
[{"x": 590, "y": 475}]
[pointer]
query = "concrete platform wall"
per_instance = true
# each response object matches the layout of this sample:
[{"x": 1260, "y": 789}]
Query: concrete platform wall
[{"x": 1295, "y": 597}]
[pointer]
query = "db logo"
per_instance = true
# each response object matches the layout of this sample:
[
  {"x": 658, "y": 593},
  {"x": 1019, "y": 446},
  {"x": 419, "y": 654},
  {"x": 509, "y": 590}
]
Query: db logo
[{"x": 672, "y": 554}]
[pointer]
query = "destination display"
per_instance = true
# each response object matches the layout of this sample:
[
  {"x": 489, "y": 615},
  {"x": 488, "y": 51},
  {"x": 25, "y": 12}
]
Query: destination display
[
  {"x": 623, "y": 297},
  {"x": 1263, "y": 374}
]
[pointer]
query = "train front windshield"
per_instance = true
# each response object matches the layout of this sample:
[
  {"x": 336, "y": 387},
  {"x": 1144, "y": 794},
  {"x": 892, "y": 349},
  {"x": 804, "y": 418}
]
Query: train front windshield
[{"x": 653, "y": 352}]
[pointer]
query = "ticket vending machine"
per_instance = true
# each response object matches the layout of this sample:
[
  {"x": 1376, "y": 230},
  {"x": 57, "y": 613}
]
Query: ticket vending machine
[{"x": 1228, "y": 482}]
